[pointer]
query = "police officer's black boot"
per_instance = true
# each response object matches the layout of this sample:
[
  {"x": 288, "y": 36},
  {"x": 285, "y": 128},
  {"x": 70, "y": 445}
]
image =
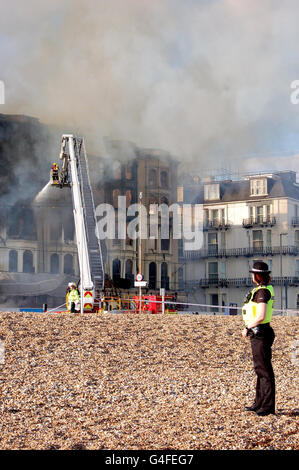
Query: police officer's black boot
[{"x": 251, "y": 408}]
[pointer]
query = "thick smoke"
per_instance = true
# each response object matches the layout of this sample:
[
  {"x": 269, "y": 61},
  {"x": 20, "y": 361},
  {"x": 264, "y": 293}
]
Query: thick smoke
[{"x": 208, "y": 81}]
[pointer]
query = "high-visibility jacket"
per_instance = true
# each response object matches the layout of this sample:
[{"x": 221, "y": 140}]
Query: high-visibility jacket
[
  {"x": 249, "y": 308},
  {"x": 74, "y": 296}
]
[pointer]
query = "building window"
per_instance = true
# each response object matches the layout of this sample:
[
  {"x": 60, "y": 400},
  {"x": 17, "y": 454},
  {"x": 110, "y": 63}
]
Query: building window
[
  {"x": 68, "y": 264},
  {"x": 258, "y": 187},
  {"x": 28, "y": 262},
  {"x": 214, "y": 301},
  {"x": 129, "y": 271},
  {"x": 165, "y": 243},
  {"x": 54, "y": 264},
  {"x": 164, "y": 276},
  {"x": 297, "y": 238},
  {"x": 164, "y": 179},
  {"x": 13, "y": 261},
  {"x": 297, "y": 268},
  {"x": 116, "y": 269},
  {"x": 128, "y": 171},
  {"x": 257, "y": 240},
  {"x": 152, "y": 177},
  {"x": 215, "y": 217},
  {"x": 212, "y": 243},
  {"x": 213, "y": 271},
  {"x": 223, "y": 270},
  {"x": 269, "y": 238},
  {"x": 211, "y": 192},
  {"x": 259, "y": 214},
  {"x": 206, "y": 216},
  {"x": 222, "y": 216},
  {"x": 152, "y": 278},
  {"x": 222, "y": 241}
]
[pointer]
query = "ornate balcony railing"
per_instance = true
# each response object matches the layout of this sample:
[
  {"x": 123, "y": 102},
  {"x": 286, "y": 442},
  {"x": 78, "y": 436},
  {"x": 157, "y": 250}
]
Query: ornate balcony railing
[
  {"x": 218, "y": 281},
  {"x": 295, "y": 221},
  {"x": 259, "y": 222},
  {"x": 216, "y": 225},
  {"x": 215, "y": 252}
]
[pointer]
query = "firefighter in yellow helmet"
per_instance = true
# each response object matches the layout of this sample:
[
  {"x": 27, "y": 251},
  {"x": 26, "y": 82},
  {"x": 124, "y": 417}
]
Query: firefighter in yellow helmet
[
  {"x": 257, "y": 314},
  {"x": 73, "y": 297}
]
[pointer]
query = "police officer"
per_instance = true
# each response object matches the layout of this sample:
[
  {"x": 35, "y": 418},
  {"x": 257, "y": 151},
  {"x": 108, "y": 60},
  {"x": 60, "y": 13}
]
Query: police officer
[{"x": 257, "y": 314}]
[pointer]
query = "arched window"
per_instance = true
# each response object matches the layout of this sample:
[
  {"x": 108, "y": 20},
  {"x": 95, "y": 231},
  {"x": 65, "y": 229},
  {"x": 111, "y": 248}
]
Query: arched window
[
  {"x": 129, "y": 267},
  {"x": 152, "y": 275},
  {"x": 164, "y": 276},
  {"x": 164, "y": 179},
  {"x": 68, "y": 264},
  {"x": 28, "y": 262},
  {"x": 54, "y": 268},
  {"x": 116, "y": 269},
  {"x": 13, "y": 261},
  {"x": 129, "y": 271},
  {"x": 152, "y": 177}
]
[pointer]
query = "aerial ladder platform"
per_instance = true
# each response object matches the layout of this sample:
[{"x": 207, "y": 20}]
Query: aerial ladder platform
[{"x": 75, "y": 174}]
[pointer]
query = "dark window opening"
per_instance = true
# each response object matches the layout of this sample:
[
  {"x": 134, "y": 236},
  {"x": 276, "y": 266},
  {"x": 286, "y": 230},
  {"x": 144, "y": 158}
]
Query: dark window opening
[
  {"x": 28, "y": 262},
  {"x": 54, "y": 268},
  {"x": 13, "y": 261},
  {"x": 152, "y": 275},
  {"x": 68, "y": 264}
]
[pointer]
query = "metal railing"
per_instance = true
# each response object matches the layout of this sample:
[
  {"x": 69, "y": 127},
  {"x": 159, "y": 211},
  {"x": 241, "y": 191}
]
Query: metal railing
[
  {"x": 218, "y": 281},
  {"x": 295, "y": 221},
  {"x": 216, "y": 252},
  {"x": 259, "y": 221},
  {"x": 216, "y": 224}
]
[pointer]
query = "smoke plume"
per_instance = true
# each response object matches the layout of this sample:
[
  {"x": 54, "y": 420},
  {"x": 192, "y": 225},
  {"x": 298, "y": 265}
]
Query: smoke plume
[{"x": 208, "y": 81}]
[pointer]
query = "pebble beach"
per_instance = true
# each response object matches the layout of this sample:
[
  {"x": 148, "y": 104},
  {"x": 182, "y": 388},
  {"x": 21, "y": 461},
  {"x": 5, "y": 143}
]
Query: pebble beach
[{"x": 127, "y": 381}]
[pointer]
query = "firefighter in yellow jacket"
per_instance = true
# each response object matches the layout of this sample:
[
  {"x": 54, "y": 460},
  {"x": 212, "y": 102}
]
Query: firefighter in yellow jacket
[
  {"x": 257, "y": 314},
  {"x": 73, "y": 297}
]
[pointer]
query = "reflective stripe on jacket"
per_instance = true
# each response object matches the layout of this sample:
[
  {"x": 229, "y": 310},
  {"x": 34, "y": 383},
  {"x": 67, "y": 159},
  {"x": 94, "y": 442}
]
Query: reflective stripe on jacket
[
  {"x": 249, "y": 308},
  {"x": 74, "y": 296}
]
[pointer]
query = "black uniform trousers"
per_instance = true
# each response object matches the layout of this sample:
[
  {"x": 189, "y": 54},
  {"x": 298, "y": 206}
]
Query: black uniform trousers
[{"x": 265, "y": 385}]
